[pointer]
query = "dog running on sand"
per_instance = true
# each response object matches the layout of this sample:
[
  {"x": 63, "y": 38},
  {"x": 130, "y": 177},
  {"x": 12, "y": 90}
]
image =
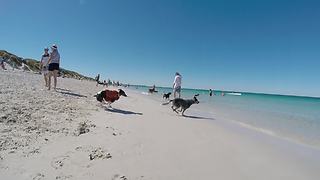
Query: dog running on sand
[
  {"x": 183, "y": 104},
  {"x": 109, "y": 96}
]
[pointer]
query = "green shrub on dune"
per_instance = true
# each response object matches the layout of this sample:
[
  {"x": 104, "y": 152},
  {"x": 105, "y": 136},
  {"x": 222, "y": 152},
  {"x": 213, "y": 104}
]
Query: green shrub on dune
[
  {"x": 34, "y": 65},
  {"x": 11, "y": 58}
]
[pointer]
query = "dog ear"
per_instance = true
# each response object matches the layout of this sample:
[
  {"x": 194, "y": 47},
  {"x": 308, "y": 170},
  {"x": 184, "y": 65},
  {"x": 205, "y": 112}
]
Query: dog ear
[
  {"x": 121, "y": 92},
  {"x": 196, "y": 95}
]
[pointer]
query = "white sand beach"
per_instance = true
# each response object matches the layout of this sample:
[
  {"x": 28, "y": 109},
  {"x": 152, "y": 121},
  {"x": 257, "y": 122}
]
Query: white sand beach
[{"x": 67, "y": 134}]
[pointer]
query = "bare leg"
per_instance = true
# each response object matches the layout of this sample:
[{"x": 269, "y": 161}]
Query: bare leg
[
  {"x": 174, "y": 109},
  {"x": 183, "y": 112},
  {"x": 55, "y": 75},
  {"x": 49, "y": 79},
  {"x": 46, "y": 79}
]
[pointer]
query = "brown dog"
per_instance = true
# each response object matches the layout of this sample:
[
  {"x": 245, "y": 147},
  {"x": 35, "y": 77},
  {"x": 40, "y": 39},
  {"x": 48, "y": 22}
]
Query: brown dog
[{"x": 109, "y": 96}]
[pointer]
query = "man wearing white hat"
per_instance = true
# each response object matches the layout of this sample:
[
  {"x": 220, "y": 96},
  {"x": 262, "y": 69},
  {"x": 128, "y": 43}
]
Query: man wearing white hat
[{"x": 54, "y": 61}]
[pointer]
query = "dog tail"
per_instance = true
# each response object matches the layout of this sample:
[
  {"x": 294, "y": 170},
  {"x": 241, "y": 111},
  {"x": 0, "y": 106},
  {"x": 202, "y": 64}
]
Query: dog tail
[{"x": 166, "y": 103}]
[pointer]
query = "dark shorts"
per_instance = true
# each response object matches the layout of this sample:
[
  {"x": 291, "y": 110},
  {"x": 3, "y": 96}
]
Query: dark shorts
[
  {"x": 177, "y": 89},
  {"x": 53, "y": 66}
]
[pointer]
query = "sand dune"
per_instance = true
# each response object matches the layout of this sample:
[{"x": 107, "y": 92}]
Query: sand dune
[{"x": 66, "y": 134}]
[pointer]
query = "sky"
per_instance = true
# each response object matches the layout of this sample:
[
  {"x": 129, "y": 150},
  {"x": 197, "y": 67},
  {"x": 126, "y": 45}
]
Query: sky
[{"x": 270, "y": 46}]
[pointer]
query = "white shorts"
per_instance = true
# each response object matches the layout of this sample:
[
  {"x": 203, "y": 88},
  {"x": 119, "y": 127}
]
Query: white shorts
[{"x": 45, "y": 70}]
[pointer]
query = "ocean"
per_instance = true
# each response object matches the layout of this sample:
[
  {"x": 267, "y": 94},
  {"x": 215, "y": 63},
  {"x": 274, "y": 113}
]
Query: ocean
[{"x": 293, "y": 118}]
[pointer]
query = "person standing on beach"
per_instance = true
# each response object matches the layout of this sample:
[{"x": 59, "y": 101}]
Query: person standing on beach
[
  {"x": 44, "y": 66},
  {"x": 13, "y": 64},
  {"x": 53, "y": 62},
  {"x": 210, "y": 92},
  {"x": 97, "y": 79},
  {"x": 177, "y": 85},
  {"x": 105, "y": 83},
  {"x": 2, "y": 63}
]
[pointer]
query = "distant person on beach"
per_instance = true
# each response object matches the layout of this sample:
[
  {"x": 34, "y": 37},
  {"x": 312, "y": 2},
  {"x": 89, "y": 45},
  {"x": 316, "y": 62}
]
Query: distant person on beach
[
  {"x": 210, "y": 92},
  {"x": 44, "y": 66},
  {"x": 105, "y": 83},
  {"x": 2, "y": 63},
  {"x": 13, "y": 64},
  {"x": 153, "y": 89},
  {"x": 53, "y": 66},
  {"x": 97, "y": 79},
  {"x": 177, "y": 85}
]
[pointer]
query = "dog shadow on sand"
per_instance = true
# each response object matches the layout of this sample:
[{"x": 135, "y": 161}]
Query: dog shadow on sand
[
  {"x": 198, "y": 117},
  {"x": 120, "y": 111},
  {"x": 71, "y": 94},
  {"x": 62, "y": 89}
]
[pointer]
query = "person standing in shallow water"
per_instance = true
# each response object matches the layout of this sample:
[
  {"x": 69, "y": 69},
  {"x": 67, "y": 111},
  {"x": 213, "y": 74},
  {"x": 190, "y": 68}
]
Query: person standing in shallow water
[
  {"x": 44, "y": 66},
  {"x": 177, "y": 85},
  {"x": 98, "y": 79},
  {"x": 54, "y": 63},
  {"x": 210, "y": 92}
]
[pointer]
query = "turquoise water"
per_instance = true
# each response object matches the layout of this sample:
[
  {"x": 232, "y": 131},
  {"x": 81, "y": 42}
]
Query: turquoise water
[{"x": 291, "y": 117}]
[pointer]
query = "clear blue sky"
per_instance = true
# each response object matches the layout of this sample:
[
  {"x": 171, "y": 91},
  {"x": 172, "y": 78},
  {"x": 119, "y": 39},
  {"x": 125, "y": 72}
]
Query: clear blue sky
[{"x": 270, "y": 46}]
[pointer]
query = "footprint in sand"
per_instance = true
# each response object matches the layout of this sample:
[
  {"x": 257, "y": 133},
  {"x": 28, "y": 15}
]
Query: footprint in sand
[
  {"x": 119, "y": 177},
  {"x": 63, "y": 177},
  {"x": 33, "y": 152},
  {"x": 59, "y": 162},
  {"x": 99, "y": 153},
  {"x": 115, "y": 132},
  {"x": 38, "y": 176},
  {"x": 84, "y": 148}
]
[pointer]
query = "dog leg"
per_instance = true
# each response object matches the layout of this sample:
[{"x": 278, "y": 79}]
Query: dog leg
[
  {"x": 174, "y": 109},
  {"x": 183, "y": 112},
  {"x": 109, "y": 105}
]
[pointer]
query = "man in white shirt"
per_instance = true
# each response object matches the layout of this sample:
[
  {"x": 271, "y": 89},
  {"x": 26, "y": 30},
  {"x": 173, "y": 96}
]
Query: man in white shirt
[{"x": 177, "y": 85}]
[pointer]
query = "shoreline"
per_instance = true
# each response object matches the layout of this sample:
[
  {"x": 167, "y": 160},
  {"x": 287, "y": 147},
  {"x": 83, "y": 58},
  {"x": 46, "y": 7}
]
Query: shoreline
[
  {"x": 233, "y": 91},
  {"x": 137, "y": 139},
  {"x": 206, "y": 110}
]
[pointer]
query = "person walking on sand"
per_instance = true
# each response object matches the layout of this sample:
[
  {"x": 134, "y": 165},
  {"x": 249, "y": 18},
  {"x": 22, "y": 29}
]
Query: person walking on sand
[
  {"x": 53, "y": 62},
  {"x": 97, "y": 79},
  {"x": 177, "y": 85},
  {"x": 210, "y": 92},
  {"x": 2, "y": 63},
  {"x": 44, "y": 66}
]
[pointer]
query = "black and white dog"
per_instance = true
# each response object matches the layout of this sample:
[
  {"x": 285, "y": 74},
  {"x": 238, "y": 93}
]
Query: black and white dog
[
  {"x": 183, "y": 104},
  {"x": 166, "y": 95}
]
